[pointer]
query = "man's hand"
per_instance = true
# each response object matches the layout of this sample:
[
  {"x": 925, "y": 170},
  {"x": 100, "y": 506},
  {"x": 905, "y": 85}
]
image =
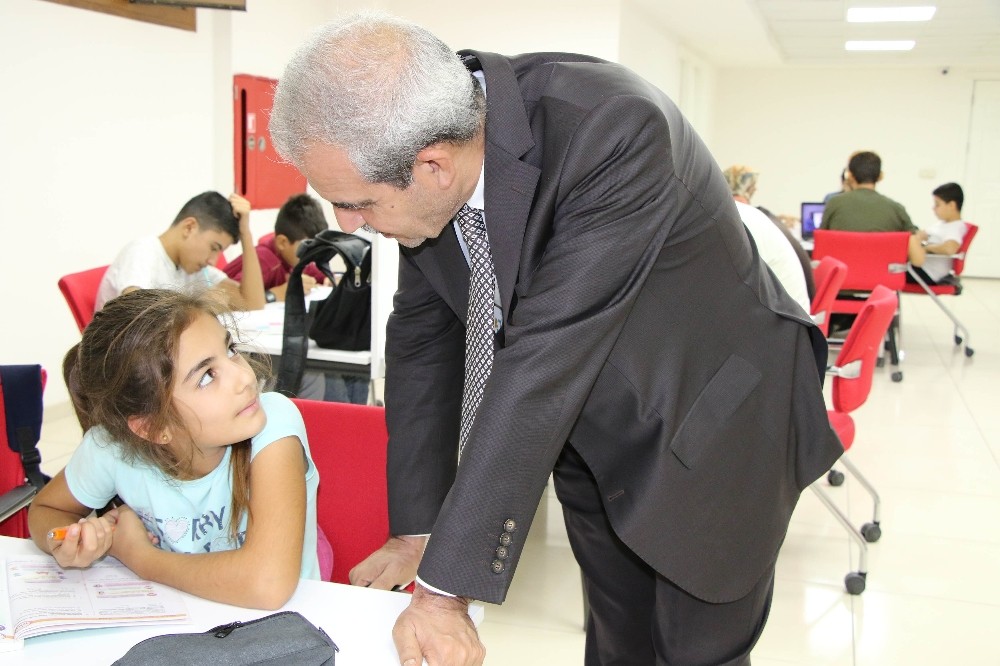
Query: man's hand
[
  {"x": 241, "y": 207},
  {"x": 279, "y": 291},
  {"x": 393, "y": 564},
  {"x": 438, "y": 629}
]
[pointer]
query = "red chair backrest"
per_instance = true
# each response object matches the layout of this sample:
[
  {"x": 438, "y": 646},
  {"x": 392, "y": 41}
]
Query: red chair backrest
[
  {"x": 958, "y": 263},
  {"x": 80, "y": 292},
  {"x": 829, "y": 275},
  {"x": 872, "y": 257},
  {"x": 348, "y": 445},
  {"x": 862, "y": 344}
]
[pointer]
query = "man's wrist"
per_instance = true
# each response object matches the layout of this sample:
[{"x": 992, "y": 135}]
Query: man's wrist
[{"x": 422, "y": 591}]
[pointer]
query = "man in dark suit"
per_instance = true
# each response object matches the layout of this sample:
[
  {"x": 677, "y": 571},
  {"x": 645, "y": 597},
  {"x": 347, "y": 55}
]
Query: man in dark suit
[{"x": 640, "y": 349}]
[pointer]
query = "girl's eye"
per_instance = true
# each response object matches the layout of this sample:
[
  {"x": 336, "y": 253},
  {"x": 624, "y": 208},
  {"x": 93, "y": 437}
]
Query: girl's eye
[{"x": 206, "y": 379}]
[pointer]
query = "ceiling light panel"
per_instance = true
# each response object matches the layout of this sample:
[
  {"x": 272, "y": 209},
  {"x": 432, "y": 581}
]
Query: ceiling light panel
[{"x": 889, "y": 14}]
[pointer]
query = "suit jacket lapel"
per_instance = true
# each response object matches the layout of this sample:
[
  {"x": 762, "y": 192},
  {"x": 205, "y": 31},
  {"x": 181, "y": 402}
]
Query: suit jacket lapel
[{"x": 510, "y": 183}]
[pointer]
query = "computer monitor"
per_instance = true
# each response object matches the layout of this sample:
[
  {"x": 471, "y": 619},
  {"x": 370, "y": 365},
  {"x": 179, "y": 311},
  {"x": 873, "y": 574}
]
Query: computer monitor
[{"x": 812, "y": 217}]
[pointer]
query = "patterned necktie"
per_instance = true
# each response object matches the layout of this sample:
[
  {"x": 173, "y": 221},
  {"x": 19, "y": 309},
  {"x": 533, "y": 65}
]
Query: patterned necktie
[{"x": 479, "y": 332}]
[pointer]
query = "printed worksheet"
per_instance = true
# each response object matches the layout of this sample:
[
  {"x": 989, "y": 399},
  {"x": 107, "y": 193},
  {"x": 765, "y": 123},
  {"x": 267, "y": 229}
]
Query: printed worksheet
[{"x": 44, "y": 598}]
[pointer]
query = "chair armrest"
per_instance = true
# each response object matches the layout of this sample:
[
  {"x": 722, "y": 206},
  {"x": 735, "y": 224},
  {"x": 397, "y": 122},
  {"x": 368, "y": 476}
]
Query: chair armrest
[
  {"x": 16, "y": 499},
  {"x": 850, "y": 371}
]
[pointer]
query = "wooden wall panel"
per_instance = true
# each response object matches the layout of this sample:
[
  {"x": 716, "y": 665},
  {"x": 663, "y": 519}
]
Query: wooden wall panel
[{"x": 173, "y": 17}]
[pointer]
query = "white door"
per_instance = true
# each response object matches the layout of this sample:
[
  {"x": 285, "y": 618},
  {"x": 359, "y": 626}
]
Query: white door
[{"x": 982, "y": 186}]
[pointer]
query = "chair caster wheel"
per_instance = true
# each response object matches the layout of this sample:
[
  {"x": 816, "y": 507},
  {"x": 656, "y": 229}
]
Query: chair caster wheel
[
  {"x": 880, "y": 361},
  {"x": 958, "y": 339},
  {"x": 871, "y": 532},
  {"x": 969, "y": 351},
  {"x": 897, "y": 376},
  {"x": 835, "y": 478},
  {"x": 855, "y": 582}
]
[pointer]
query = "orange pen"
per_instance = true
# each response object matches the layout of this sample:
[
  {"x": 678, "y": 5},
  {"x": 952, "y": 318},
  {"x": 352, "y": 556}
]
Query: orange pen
[{"x": 59, "y": 533}]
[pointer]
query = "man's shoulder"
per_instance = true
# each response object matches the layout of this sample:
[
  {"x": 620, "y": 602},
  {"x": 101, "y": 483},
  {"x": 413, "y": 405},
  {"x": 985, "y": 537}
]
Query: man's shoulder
[{"x": 146, "y": 245}]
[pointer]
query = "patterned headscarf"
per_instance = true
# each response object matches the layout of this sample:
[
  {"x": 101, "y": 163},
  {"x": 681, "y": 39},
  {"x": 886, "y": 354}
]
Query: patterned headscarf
[{"x": 742, "y": 180}]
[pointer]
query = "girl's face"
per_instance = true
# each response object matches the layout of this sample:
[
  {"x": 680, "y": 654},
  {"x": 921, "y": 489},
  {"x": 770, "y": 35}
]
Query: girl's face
[{"x": 215, "y": 391}]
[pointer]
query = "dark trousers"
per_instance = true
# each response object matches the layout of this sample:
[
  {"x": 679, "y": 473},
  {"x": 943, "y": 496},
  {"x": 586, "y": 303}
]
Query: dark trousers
[{"x": 636, "y": 615}]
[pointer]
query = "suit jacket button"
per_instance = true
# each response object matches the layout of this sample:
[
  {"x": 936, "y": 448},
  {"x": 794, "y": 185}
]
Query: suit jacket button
[
  {"x": 502, "y": 552},
  {"x": 497, "y": 566},
  {"x": 505, "y": 539},
  {"x": 509, "y": 525}
]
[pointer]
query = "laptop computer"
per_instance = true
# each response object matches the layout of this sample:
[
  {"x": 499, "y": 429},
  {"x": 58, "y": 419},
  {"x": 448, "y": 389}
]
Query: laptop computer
[{"x": 812, "y": 217}]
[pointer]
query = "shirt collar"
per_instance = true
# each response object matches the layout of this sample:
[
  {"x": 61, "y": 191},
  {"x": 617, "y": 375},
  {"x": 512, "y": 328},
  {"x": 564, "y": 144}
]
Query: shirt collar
[{"x": 478, "y": 198}]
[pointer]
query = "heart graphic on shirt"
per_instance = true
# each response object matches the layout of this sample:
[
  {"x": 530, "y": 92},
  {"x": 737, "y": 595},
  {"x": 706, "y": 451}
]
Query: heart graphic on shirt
[{"x": 175, "y": 528}]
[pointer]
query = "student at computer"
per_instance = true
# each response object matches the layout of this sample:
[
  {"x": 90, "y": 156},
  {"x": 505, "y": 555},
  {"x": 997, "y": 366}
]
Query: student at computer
[
  {"x": 933, "y": 261},
  {"x": 299, "y": 218},
  {"x": 185, "y": 254}
]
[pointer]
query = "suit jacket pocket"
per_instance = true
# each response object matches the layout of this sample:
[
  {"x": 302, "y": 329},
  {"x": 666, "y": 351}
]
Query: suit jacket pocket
[{"x": 720, "y": 399}]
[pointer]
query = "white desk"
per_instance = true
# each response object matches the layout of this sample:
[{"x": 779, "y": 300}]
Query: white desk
[
  {"x": 358, "y": 619},
  {"x": 262, "y": 330}
]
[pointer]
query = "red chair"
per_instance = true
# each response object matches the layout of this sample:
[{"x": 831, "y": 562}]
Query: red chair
[
  {"x": 348, "y": 445},
  {"x": 953, "y": 289},
  {"x": 873, "y": 258},
  {"x": 80, "y": 292},
  {"x": 852, "y": 382},
  {"x": 21, "y": 389},
  {"x": 829, "y": 276}
]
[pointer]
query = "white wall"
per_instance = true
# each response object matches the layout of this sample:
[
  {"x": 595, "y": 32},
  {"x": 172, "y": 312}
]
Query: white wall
[
  {"x": 107, "y": 122},
  {"x": 798, "y": 127},
  {"x": 519, "y": 26}
]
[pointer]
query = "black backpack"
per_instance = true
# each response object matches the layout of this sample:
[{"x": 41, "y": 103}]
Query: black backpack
[{"x": 343, "y": 320}]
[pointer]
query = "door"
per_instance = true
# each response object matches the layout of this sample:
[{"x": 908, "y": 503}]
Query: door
[{"x": 982, "y": 186}]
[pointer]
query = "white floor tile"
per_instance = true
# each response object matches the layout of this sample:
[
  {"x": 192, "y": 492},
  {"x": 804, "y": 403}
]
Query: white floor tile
[{"x": 908, "y": 629}]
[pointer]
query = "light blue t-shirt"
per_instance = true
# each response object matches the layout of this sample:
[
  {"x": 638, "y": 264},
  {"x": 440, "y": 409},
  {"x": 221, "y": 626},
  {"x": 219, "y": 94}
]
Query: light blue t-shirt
[{"x": 188, "y": 516}]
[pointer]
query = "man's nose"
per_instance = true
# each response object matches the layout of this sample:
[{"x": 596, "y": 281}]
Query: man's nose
[{"x": 349, "y": 220}]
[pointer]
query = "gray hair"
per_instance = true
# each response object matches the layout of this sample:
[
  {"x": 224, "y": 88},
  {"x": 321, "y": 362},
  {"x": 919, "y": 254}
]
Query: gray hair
[{"x": 379, "y": 88}]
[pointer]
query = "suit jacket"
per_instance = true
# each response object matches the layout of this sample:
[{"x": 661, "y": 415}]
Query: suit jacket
[{"x": 639, "y": 324}]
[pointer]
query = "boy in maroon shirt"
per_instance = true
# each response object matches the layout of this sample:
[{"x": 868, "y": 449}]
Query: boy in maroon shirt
[{"x": 300, "y": 217}]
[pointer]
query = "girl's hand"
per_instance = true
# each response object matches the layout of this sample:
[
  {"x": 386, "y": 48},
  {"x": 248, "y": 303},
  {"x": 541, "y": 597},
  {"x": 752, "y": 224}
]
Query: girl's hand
[
  {"x": 131, "y": 537},
  {"x": 84, "y": 541}
]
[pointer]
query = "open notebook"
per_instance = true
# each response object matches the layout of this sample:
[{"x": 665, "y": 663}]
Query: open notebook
[{"x": 38, "y": 597}]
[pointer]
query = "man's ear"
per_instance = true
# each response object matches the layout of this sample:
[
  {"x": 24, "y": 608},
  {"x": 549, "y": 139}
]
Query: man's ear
[
  {"x": 188, "y": 226},
  {"x": 281, "y": 242},
  {"x": 139, "y": 425},
  {"x": 437, "y": 162},
  {"x": 881, "y": 174}
]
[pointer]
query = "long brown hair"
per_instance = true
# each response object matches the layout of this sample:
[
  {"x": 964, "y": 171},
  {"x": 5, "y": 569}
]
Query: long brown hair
[{"x": 124, "y": 367}]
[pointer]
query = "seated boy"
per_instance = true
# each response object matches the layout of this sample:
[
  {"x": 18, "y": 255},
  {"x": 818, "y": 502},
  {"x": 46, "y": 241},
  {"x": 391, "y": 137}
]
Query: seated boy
[
  {"x": 300, "y": 217},
  {"x": 185, "y": 254},
  {"x": 933, "y": 260}
]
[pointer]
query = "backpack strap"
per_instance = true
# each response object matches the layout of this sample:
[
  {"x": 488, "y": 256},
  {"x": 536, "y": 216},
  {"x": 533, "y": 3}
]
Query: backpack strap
[
  {"x": 295, "y": 335},
  {"x": 21, "y": 386}
]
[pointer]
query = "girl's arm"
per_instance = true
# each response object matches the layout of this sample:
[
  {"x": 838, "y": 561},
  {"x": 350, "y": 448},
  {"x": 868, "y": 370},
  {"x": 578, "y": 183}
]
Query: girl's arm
[
  {"x": 87, "y": 537},
  {"x": 264, "y": 572}
]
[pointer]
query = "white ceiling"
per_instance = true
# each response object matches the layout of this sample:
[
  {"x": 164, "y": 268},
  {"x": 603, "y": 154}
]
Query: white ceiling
[{"x": 753, "y": 33}]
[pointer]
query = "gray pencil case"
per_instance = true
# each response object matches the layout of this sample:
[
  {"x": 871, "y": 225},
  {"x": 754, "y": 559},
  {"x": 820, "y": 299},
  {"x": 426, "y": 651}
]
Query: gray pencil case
[{"x": 281, "y": 638}]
